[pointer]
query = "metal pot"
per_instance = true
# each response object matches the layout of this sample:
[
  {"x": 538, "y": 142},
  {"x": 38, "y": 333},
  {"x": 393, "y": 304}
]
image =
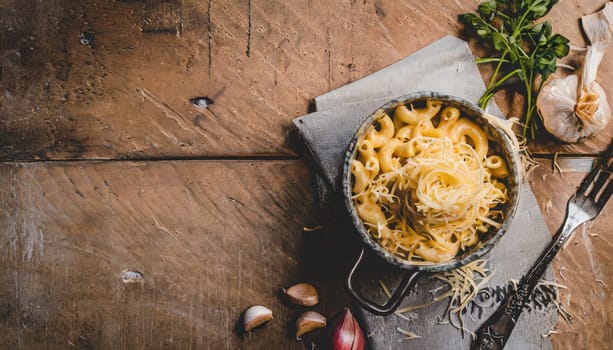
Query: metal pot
[{"x": 413, "y": 271}]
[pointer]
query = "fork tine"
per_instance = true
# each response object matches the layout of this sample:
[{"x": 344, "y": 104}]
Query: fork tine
[
  {"x": 606, "y": 194},
  {"x": 602, "y": 177},
  {"x": 589, "y": 179}
]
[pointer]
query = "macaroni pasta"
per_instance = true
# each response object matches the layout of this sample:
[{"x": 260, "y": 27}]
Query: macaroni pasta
[{"x": 426, "y": 182}]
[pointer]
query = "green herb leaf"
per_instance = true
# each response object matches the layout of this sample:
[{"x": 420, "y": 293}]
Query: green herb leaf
[
  {"x": 471, "y": 19},
  {"x": 539, "y": 11},
  {"x": 476, "y": 23},
  {"x": 500, "y": 41},
  {"x": 489, "y": 60},
  {"x": 545, "y": 32},
  {"x": 539, "y": 8},
  {"x": 522, "y": 49},
  {"x": 559, "y": 44},
  {"x": 546, "y": 63},
  {"x": 487, "y": 9}
]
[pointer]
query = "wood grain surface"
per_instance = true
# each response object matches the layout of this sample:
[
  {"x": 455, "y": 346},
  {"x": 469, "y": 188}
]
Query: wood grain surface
[
  {"x": 209, "y": 238},
  {"x": 125, "y": 93},
  {"x": 97, "y": 188}
]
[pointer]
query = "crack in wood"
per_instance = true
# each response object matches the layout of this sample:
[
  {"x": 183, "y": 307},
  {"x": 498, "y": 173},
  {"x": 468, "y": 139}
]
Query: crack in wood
[
  {"x": 209, "y": 26},
  {"x": 180, "y": 19},
  {"x": 172, "y": 31},
  {"x": 168, "y": 111},
  {"x": 225, "y": 158},
  {"x": 235, "y": 200},
  {"x": 248, "y": 51}
]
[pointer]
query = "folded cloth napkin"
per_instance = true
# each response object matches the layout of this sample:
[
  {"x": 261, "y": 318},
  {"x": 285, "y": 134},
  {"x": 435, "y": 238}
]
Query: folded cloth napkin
[{"x": 446, "y": 66}]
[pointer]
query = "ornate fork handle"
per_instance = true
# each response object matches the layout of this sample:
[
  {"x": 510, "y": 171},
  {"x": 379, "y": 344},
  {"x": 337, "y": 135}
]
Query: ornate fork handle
[
  {"x": 495, "y": 332},
  {"x": 581, "y": 207}
]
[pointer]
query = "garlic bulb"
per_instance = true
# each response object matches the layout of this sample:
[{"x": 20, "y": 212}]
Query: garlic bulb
[{"x": 573, "y": 109}]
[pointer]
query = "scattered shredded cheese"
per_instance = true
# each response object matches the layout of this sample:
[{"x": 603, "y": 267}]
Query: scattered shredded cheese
[
  {"x": 550, "y": 284},
  {"x": 385, "y": 289},
  {"x": 565, "y": 66},
  {"x": 439, "y": 320},
  {"x": 577, "y": 48},
  {"x": 434, "y": 301},
  {"x": 550, "y": 332},
  {"x": 311, "y": 229},
  {"x": 555, "y": 165},
  {"x": 519, "y": 143},
  {"x": 409, "y": 335},
  {"x": 566, "y": 316},
  {"x": 402, "y": 316},
  {"x": 600, "y": 281},
  {"x": 561, "y": 272},
  {"x": 436, "y": 290},
  {"x": 465, "y": 283},
  {"x": 399, "y": 313}
]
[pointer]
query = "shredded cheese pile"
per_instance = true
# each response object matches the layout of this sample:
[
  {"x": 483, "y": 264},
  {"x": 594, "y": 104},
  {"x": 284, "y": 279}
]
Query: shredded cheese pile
[
  {"x": 437, "y": 202},
  {"x": 464, "y": 284}
]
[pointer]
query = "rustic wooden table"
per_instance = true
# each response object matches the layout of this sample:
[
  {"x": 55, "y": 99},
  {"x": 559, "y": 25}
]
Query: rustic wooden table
[{"x": 132, "y": 219}]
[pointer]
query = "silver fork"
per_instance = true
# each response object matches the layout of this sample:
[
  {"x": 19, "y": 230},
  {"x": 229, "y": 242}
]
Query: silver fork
[{"x": 585, "y": 204}]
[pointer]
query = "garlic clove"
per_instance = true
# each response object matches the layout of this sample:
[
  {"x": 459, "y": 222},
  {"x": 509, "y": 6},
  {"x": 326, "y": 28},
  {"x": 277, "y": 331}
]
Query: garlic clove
[
  {"x": 256, "y": 316},
  {"x": 347, "y": 334},
  {"x": 309, "y": 321},
  {"x": 302, "y": 294}
]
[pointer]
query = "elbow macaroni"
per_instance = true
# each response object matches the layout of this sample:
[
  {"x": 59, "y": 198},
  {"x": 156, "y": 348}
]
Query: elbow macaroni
[
  {"x": 414, "y": 116},
  {"x": 386, "y": 160},
  {"x": 360, "y": 176},
  {"x": 369, "y": 157},
  {"x": 383, "y": 134},
  {"x": 465, "y": 128},
  {"x": 426, "y": 182}
]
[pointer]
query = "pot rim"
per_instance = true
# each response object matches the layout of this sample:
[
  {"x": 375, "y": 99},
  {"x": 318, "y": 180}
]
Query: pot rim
[{"x": 513, "y": 191}]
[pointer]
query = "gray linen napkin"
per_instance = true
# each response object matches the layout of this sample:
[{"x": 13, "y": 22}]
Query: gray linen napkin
[{"x": 446, "y": 66}]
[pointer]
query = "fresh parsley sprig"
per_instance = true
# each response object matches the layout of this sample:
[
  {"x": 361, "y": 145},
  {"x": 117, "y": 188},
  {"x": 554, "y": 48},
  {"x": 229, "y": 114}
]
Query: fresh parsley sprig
[{"x": 521, "y": 48}]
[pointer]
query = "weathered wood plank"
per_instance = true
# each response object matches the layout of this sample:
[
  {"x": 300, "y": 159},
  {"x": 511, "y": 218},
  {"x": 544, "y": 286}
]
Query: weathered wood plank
[
  {"x": 210, "y": 239},
  {"x": 584, "y": 266},
  {"x": 124, "y": 92}
]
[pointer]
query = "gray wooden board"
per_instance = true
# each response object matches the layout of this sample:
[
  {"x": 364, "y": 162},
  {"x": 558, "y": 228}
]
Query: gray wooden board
[{"x": 446, "y": 66}]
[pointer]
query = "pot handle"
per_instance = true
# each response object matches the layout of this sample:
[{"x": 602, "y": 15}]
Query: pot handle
[{"x": 392, "y": 304}]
